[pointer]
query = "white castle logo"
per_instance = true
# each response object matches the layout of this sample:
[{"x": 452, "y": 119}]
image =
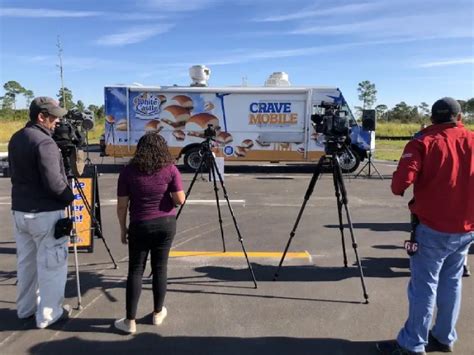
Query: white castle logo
[{"x": 147, "y": 104}]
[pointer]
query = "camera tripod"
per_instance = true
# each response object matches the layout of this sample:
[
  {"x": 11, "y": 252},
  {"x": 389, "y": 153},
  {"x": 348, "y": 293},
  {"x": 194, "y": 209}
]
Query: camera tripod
[
  {"x": 342, "y": 201},
  {"x": 208, "y": 161},
  {"x": 94, "y": 213}
]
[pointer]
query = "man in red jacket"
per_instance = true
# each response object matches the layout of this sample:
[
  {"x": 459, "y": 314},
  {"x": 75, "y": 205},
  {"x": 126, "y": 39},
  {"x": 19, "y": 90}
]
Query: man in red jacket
[{"x": 439, "y": 162}]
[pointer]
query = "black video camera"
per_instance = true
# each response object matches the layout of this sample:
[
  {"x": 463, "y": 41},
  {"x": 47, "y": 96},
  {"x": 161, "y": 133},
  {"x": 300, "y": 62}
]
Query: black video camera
[
  {"x": 70, "y": 130},
  {"x": 210, "y": 132},
  {"x": 70, "y": 136},
  {"x": 331, "y": 120}
]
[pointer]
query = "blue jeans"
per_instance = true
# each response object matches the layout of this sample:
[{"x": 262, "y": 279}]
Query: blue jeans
[{"x": 436, "y": 274}]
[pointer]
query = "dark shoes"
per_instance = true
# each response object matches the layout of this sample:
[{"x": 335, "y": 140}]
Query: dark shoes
[
  {"x": 392, "y": 348},
  {"x": 435, "y": 345},
  {"x": 466, "y": 271}
]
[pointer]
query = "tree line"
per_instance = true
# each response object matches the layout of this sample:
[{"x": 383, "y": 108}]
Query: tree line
[
  {"x": 13, "y": 90},
  {"x": 402, "y": 112}
]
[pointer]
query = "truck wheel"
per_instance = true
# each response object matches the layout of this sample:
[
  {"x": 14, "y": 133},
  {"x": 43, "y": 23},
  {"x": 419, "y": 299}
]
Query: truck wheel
[
  {"x": 349, "y": 161},
  {"x": 192, "y": 158}
]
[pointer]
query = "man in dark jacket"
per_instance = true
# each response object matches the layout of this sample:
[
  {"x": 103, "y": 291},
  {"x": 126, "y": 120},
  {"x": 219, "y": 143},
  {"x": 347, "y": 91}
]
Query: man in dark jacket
[
  {"x": 439, "y": 162},
  {"x": 40, "y": 193}
]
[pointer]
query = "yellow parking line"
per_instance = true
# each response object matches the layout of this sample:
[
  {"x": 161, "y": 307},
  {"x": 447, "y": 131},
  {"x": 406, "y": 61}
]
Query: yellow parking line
[{"x": 239, "y": 254}]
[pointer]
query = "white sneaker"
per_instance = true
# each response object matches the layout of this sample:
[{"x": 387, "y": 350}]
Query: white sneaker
[
  {"x": 125, "y": 325},
  {"x": 158, "y": 318},
  {"x": 67, "y": 311}
]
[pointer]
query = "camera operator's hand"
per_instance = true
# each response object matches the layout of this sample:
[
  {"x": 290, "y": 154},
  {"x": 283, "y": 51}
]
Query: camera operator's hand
[{"x": 124, "y": 236}]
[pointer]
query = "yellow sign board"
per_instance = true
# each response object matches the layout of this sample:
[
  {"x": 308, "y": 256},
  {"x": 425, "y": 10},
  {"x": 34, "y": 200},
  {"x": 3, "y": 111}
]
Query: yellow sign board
[{"x": 81, "y": 217}]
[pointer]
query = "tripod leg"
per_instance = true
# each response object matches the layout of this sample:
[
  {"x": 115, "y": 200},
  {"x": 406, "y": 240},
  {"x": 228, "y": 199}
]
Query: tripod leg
[
  {"x": 309, "y": 191},
  {"x": 339, "y": 212},
  {"x": 217, "y": 202},
  {"x": 191, "y": 185},
  {"x": 95, "y": 223},
  {"x": 345, "y": 201},
  {"x": 101, "y": 236},
  {"x": 241, "y": 240},
  {"x": 78, "y": 282},
  {"x": 71, "y": 214}
]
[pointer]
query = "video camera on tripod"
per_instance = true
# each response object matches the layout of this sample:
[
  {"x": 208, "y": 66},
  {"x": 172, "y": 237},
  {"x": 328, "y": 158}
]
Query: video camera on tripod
[
  {"x": 333, "y": 122},
  {"x": 70, "y": 134},
  {"x": 210, "y": 132}
]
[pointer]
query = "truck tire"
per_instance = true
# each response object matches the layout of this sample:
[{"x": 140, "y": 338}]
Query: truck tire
[
  {"x": 349, "y": 161},
  {"x": 192, "y": 158}
]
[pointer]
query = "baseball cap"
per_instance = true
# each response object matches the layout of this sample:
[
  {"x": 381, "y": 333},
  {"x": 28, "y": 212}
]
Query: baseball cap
[
  {"x": 445, "y": 109},
  {"x": 48, "y": 105}
]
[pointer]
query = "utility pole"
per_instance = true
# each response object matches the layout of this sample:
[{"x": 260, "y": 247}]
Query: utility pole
[{"x": 60, "y": 66}]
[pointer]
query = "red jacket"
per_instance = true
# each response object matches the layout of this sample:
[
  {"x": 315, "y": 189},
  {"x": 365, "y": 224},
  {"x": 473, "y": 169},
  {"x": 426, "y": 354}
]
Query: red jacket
[{"x": 440, "y": 165}]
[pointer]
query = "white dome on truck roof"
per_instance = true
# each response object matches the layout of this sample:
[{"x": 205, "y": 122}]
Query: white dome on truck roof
[
  {"x": 278, "y": 78},
  {"x": 199, "y": 75}
]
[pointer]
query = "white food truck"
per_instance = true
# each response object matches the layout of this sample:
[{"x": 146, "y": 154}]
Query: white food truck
[{"x": 268, "y": 124}]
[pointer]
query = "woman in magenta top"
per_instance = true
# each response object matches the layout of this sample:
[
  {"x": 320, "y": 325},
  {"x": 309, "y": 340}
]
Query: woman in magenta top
[{"x": 149, "y": 187}]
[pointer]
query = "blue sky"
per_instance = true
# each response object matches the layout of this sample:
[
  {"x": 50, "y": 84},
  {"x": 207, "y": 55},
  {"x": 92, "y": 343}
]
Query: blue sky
[{"x": 413, "y": 50}]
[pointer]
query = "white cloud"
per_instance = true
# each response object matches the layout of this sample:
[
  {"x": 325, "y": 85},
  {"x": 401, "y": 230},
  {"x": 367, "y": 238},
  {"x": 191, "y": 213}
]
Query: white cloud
[
  {"x": 74, "y": 64},
  {"x": 337, "y": 10},
  {"x": 133, "y": 35},
  {"x": 178, "y": 5},
  {"x": 442, "y": 63},
  {"x": 45, "y": 13},
  {"x": 39, "y": 59},
  {"x": 134, "y": 16},
  {"x": 53, "y": 13},
  {"x": 413, "y": 26}
]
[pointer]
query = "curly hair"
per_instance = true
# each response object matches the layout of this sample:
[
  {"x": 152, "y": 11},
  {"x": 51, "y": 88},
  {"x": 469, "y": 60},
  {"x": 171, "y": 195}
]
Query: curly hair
[{"x": 152, "y": 153}]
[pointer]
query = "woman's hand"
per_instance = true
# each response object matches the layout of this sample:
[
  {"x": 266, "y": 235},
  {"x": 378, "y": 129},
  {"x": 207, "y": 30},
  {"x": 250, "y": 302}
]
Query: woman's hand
[
  {"x": 178, "y": 197},
  {"x": 124, "y": 236},
  {"x": 122, "y": 207}
]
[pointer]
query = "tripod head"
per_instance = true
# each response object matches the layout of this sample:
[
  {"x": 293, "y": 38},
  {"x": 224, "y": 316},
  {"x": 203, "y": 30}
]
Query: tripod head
[
  {"x": 210, "y": 132},
  {"x": 210, "y": 136},
  {"x": 336, "y": 144}
]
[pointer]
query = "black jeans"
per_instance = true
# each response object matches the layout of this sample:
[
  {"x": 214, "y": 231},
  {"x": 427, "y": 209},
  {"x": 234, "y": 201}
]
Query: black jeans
[{"x": 154, "y": 237}]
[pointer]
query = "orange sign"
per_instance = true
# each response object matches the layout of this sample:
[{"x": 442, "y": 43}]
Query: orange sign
[{"x": 82, "y": 220}]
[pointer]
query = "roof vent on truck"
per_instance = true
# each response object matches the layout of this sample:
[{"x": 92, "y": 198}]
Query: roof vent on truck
[
  {"x": 278, "y": 78},
  {"x": 199, "y": 75}
]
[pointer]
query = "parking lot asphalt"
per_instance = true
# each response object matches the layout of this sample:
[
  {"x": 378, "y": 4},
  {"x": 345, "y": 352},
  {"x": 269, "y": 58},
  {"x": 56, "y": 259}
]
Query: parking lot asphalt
[{"x": 315, "y": 307}]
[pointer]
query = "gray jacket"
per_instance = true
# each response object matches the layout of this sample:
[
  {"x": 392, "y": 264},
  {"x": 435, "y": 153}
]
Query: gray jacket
[{"x": 39, "y": 183}]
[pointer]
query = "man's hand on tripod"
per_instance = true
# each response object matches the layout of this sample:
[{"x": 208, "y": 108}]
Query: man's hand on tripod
[{"x": 124, "y": 236}]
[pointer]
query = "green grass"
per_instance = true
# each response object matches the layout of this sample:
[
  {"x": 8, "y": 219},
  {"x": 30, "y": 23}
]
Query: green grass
[
  {"x": 386, "y": 149},
  {"x": 8, "y": 128},
  {"x": 396, "y": 129}
]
